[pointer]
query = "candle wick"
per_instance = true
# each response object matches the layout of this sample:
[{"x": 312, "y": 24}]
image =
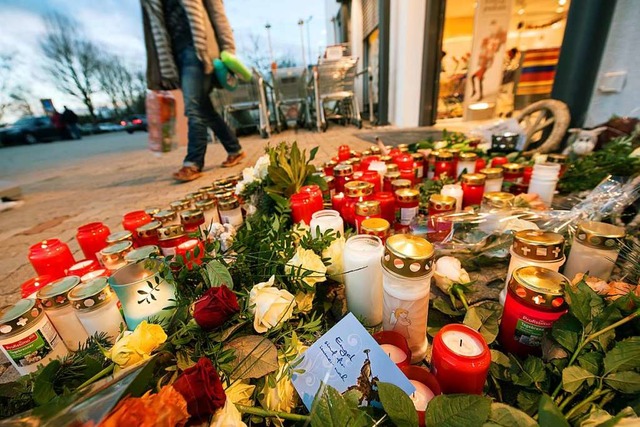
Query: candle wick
[{"x": 461, "y": 343}]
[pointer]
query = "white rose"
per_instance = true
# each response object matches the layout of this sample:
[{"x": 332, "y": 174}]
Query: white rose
[
  {"x": 229, "y": 228},
  {"x": 227, "y": 416},
  {"x": 439, "y": 144},
  {"x": 240, "y": 393},
  {"x": 304, "y": 301},
  {"x": 270, "y": 306},
  {"x": 335, "y": 254},
  {"x": 261, "y": 167},
  {"x": 248, "y": 175},
  {"x": 448, "y": 270},
  {"x": 240, "y": 186},
  {"x": 306, "y": 260}
]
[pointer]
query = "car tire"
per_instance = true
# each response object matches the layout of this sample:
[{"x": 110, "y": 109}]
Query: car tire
[
  {"x": 30, "y": 139},
  {"x": 129, "y": 131}
]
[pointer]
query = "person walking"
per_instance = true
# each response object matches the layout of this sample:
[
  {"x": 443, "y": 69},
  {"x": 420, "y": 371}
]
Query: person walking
[
  {"x": 182, "y": 38},
  {"x": 70, "y": 121}
]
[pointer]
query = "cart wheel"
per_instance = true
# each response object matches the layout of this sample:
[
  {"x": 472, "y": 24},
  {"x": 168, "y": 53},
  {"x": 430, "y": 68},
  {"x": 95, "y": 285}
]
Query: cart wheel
[
  {"x": 323, "y": 128},
  {"x": 359, "y": 124},
  {"x": 279, "y": 128},
  {"x": 264, "y": 134}
]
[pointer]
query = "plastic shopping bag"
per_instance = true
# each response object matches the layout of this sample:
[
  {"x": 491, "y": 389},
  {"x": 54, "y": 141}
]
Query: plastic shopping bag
[{"x": 161, "y": 121}]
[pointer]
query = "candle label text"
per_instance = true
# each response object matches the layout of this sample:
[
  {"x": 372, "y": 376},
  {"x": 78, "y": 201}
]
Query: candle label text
[
  {"x": 530, "y": 331},
  {"x": 34, "y": 347}
]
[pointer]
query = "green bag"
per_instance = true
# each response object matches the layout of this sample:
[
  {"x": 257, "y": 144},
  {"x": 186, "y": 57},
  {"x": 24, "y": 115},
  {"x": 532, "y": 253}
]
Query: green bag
[
  {"x": 225, "y": 78},
  {"x": 236, "y": 66}
]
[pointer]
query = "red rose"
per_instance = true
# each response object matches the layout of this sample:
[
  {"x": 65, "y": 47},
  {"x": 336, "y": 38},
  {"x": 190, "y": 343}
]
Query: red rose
[
  {"x": 201, "y": 387},
  {"x": 215, "y": 307}
]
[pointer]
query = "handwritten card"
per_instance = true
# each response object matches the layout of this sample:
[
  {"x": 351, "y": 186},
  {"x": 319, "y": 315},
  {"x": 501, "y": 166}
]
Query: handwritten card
[{"x": 346, "y": 358}]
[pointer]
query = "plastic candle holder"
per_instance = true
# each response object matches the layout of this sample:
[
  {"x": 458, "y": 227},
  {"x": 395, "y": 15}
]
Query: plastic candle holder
[
  {"x": 133, "y": 220},
  {"x": 191, "y": 252},
  {"x": 81, "y": 268},
  {"x": 325, "y": 220},
  {"x": 363, "y": 282},
  {"x": 51, "y": 258},
  {"x": 395, "y": 346},
  {"x": 92, "y": 238},
  {"x": 427, "y": 387},
  {"x": 29, "y": 288}
]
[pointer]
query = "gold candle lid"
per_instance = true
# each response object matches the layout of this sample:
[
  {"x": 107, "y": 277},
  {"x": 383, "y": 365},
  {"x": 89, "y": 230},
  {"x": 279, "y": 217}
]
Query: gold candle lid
[
  {"x": 418, "y": 157},
  {"x": 557, "y": 158},
  {"x": 368, "y": 208},
  {"x": 539, "y": 286},
  {"x": 442, "y": 203},
  {"x": 170, "y": 232},
  {"x": 330, "y": 164},
  {"x": 358, "y": 188},
  {"x": 221, "y": 194},
  {"x": 498, "y": 199},
  {"x": 374, "y": 225},
  {"x": 392, "y": 175},
  {"x": 342, "y": 169},
  {"x": 513, "y": 167},
  {"x": 204, "y": 190},
  {"x": 492, "y": 173},
  {"x": 115, "y": 253},
  {"x": 194, "y": 197},
  {"x": 407, "y": 195},
  {"x": 392, "y": 167},
  {"x": 387, "y": 159},
  {"x": 467, "y": 156},
  {"x": 180, "y": 205},
  {"x": 165, "y": 216},
  {"x": 444, "y": 156},
  {"x": 192, "y": 216},
  {"x": 408, "y": 255},
  {"x": 399, "y": 184},
  {"x": 119, "y": 236},
  {"x": 403, "y": 147},
  {"x": 355, "y": 153},
  {"x": 473, "y": 178},
  {"x": 375, "y": 149},
  {"x": 538, "y": 245},
  {"x": 151, "y": 211},
  {"x": 205, "y": 205},
  {"x": 55, "y": 294},
  {"x": 599, "y": 235},
  {"x": 228, "y": 203},
  {"x": 91, "y": 295},
  {"x": 330, "y": 180},
  {"x": 366, "y": 153},
  {"x": 148, "y": 230},
  {"x": 142, "y": 252},
  {"x": 455, "y": 152}
]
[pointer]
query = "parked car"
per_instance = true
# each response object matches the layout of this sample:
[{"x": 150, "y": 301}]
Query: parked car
[
  {"x": 108, "y": 127},
  {"x": 30, "y": 130},
  {"x": 134, "y": 123}
]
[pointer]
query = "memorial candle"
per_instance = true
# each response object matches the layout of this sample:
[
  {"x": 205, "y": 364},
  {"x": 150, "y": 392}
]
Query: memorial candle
[
  {"x": 387, "y": 205},
  {"x": 363, "y": 280},
  {"x": 455, "y": 191},
  {"x": 81, "y": 268},
  {"x": 324, "y": 220},
  {"x": 314, "y": 191},
  {"x": 30, "y": 288},
  {"x": 472, "y": 189},
  {"x": 427, "y": 387},
  {"x": 395, "y": 346},
  {"x": 132, "y": 221},
  {"x": 51, "y": 258},
  {"x": 92, "y": 238},
  {"x": 444, "y": 165}
]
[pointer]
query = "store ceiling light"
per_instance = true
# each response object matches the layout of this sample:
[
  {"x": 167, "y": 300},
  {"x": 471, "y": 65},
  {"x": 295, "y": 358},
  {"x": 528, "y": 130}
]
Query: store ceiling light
[
  {"x": 521, "y": 11},
  {"x": 560, "y": 9},
  {"x": 562, "y": 2}
]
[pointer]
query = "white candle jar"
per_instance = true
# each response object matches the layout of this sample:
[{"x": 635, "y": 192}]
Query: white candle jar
[
  {"x": 167, "y": 218},
  {"x": 363, "y": 282},
  {"x": 230, "y": 212},
  {"x": 55, "y": 300},
  {"x": 113, "y": 256},
  {"x": 466, "y": 163},
  {"x": 141, "y": 253},
  {"x": 27, "y": 337},
  {"x": 96, "y": 306},
  {"x": 534, "y": 248},
  {"x": 210, "y": 210},
  {"x": 324, "y": 220},
  {"x": 496, "y": 200},
  {"x": 406, "y": 281},
  {"x": 544, "y": 180},
  {"x": 494, "y": 180},
  {"x": 595, "y": 249},
  {"x": 455, "y": 191}
]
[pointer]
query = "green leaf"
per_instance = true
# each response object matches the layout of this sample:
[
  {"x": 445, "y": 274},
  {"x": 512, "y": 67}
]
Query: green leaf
[
  {"x": 601, "y": 418},
  {"x": 574, "y": 376},
  {"x": 255, "y": 357},
  {"x": 625, "y": 382},
  {"x": 528, "y": 401},
  {"x": 566, "y": 331},
  {"x": 43, "y": 391},
  {"x": 313, "y": 152},
  {"x": 217, "y": 274},
  {"x": 507, "y": 416},
  {"x": 458, "y": 410},
  {"x": 331, "y": 409},
  {"x": 397, "y": 405},
  {"x": 485, "y": 318},
  {"x": 591, "y": 361},
  {"x": 443, "y": 306},
  {"x": 527, "y": 374},
  {"x": 549, "y": 415},
  {"x": 625, "y": 356},
  {"x": 353, "y": 397},
  {"x": 500, "y": 365},
  {"x": 583, "y": 302}
]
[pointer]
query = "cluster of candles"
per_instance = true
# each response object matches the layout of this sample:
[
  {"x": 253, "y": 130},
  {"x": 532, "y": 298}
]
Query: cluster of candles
[{"x": 69, "y": 300}]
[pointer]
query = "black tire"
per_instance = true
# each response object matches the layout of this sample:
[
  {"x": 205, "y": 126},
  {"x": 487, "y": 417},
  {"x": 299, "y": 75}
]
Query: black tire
[
  {"x": 30, "y": 139},
  {"x": 264, "y": 134},
  {"x": 129, "y": 131},
  {"x": 323, "y": 128}
]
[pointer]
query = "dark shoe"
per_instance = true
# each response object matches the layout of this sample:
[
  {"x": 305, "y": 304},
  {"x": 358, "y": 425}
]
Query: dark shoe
[
  {"x": 187, "y": 173},
  {"x": 233, "y": 159}
]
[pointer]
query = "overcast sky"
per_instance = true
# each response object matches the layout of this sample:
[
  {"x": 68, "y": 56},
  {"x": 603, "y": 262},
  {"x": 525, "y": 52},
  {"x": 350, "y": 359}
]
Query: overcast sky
[{"x": 116, "y": 25}]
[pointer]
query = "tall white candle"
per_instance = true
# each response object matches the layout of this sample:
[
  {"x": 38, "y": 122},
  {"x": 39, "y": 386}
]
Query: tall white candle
[
  {"x": 422, "y": 396},
  {"x": 326, "y": 219},
  {"x": 462, "y": 343},
  {"x": 394, "y": 352},
  {"x": 380, "y": 167},
  {"x": 455, "y": 191},
  {"x": 364, "y": 286}
]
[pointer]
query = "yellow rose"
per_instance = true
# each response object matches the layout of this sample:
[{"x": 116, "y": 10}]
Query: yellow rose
[
  {"x": 123, "y": 354},
  {"x": 334, "y": 253},
  {"x": 147, "y": 337},
  {"x": 269, "y": 305},
  {"x": 306, "y": 260},
  {"x": 282, "y": 397},
  {"x": 227, "y": 416},
  {"x": 136, "y": 346},
  {"x": 304, "y": 301},
  {"x": 240, "y": 393}
]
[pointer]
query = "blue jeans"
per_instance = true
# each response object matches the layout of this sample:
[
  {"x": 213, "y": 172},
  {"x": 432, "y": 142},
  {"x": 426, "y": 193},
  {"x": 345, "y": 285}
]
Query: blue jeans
[{"x": 196, "y": 86}]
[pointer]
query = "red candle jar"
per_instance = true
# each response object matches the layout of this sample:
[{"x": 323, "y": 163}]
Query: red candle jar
[
  {"x": 191, "y": 252},
  {"x": 472, "y": 189},
  {"x": 51, "y": 258},
  {"x": 373, "y": 178},
  {"x": 526, "y": 174},
  {"x": 328, "y": 167},
  {"x": 439, "y": 204},
  {"x": 92, "y": 238},
  {"x": 375, "y": 227},
  {"x": 395, "y": 346},
  {"x": 424, "y": 382},
  {"x": 102, "y": 272},
  {"x": 409, "y": 175},
  {"x": 344, "y": 153},
  {"x": 389, "y": 177},
  {"x": 407, "y": 201},
  {"x": 387, "y": 160},
  {"x": 148, "y": 233},
  {"x": 342, "y": 173},
  {"x": 480, "y": 163},
  {"x": 455, "y": 152},
  {"x": 460, "y": 359},
  {"x": 170, "y": 237},
  {"x": 535, "y": 300},
  {"x": 355, "y": 191},
  {"x": 317, "y": 203},
  {"x": 29, "y": 288},
  {"x": 337, "y": 201},
  {"x": 191, "y": 220},
  {"x": 513, "y": 172},
  {"x": 301, "y": 208},
  {"x": 133, "y": 220},
  {"x": 404, "y": 161},
  {"x": 557, "y": 158},
  {"x": 518, "y": 188},
  {"x": 366, "y": 161},
  {"x": 418, "y": 165},
  {"x": 365, "y": 210},
  {"x": 399, "y": 184},
  {"x": 497, "y": 162},
  {"x": 444, "y": 165},
  {"x": 355, "y": 163},
  {"x": 331, "y": 188},
  {"x": 387, "y": 205},
  {"x": 81, "y": 268}
]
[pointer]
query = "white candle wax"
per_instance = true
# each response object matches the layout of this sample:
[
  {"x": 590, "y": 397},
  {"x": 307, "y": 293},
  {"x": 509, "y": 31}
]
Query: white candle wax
[
  {"x": 380, "y": 167},
  {"x": 232, "y": 216},
  {"x": 326, "y": 219},
  {"x": 462, "y": 343},
  {"x": 395, "y": 353},
  {"x": 455, "y": 191},
  {"x": 422, "y": 396},
  {"x": 364, "y": 286}
]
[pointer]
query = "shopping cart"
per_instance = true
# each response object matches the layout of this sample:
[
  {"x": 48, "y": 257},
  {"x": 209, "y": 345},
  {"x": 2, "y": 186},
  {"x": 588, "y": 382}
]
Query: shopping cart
[
  {"x": 333, "y": 86},
  {"x": 291, "y": 97},
  {"x": 246, "y": 107}
]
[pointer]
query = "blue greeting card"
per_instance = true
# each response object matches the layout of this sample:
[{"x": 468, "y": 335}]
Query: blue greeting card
[{"x": 347, "y": 358}]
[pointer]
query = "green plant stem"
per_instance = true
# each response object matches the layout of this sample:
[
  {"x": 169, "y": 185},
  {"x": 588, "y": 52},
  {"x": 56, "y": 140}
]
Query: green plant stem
[
  {"x": 591, "y": 338},
  {"x": 498, "y": 388},
  {"x": 567, "y": 400},
  {"x": 460, "y": 294},
  {"x": 106, "y": 371},
  {"x": 591, "y": 398},
  {"x": 265, "y": 413}
]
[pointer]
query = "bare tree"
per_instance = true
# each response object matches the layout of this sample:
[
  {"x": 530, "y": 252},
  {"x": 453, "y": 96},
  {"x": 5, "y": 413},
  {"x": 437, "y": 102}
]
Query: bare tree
[
  {"x": 258, "y": 57},
  {"x": 13, "y": 96},
  {"x": 72, "y": 60},
  {"x": 109, "y": 73}
]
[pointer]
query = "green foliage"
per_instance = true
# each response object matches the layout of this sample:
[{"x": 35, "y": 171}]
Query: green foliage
[
  {"x": 331, "y": 409},
  {"x": 398, "y": 405},
  {"x": 458, "y": 410}
]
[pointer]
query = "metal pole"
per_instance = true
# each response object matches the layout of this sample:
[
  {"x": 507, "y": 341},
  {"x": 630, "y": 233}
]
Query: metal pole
[
  {"x": 383, "y": 59},
  {"x": 309, "y": 39},
  {"x": 304, "y": 58},
  {"x": 268, "y": 27}
]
